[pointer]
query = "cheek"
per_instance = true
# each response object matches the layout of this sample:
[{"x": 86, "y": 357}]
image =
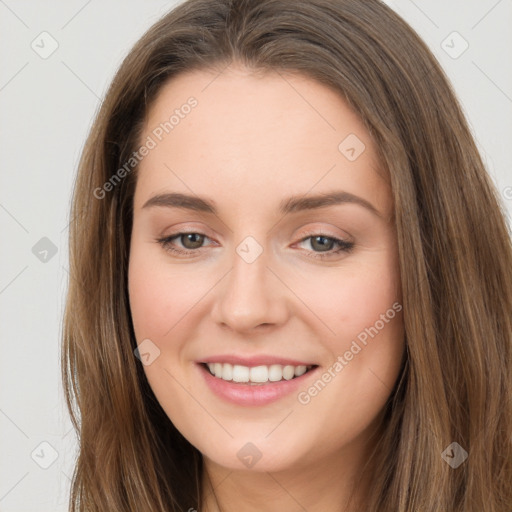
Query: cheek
[
  {"x": 362, "y": 310},
  {"x": 161, "y": 301},
  {"x": 365, "y": 358},
  {"x": 349, "y": 299},
  {"x": 150, "y": 302},
  {"x": 159, "y": 296}
]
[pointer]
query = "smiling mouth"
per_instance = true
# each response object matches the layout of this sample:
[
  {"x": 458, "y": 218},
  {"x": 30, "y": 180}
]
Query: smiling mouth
[{"x": 256, "y": 375}]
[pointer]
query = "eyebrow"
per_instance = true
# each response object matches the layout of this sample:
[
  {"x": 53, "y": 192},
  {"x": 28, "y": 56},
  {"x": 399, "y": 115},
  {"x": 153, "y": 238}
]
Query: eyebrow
[{"x": 288, "y": 205}]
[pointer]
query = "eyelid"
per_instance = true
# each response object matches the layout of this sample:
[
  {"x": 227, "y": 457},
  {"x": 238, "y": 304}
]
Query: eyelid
[
  {"x": 319, "y": 231},
  {"x": 185, "y": 228}
]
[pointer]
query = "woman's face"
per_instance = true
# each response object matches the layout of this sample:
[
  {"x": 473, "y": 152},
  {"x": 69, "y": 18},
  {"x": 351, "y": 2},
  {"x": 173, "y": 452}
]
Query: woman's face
[{"x": 262, "y": 247}]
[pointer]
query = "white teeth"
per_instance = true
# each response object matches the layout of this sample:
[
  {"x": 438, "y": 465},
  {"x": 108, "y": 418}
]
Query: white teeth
[
  {"x": 227, "y": 371},
  {"x": 256, "y": 374},
  {"x": 288, "y": 372},
  {"x": 240, "y": 373},
  {"x": 300, "y": 370},
  {"x": 275, "y": 373}
]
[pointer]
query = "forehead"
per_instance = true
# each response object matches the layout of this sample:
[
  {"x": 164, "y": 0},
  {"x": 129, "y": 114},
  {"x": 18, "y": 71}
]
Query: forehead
[
  {"x": 237, "y": 97},
  {"x": 254, "y": 131}
]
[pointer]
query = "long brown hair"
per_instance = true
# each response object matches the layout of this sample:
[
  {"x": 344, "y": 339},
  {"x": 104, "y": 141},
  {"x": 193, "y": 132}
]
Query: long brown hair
[{"x": 454, "y": 251}]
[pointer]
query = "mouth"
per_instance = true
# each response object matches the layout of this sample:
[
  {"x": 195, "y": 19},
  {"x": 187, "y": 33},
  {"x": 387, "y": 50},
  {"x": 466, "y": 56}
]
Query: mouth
[{"x": 256, "y": 375}]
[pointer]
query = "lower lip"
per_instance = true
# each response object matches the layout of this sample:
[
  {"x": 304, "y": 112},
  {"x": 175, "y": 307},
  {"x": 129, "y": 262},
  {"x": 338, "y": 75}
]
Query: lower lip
[{"x": 252, "y": 394}]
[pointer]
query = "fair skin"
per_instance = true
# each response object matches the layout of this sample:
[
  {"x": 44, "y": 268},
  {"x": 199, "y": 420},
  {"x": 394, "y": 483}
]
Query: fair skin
[{"x": 251, "y": 142}]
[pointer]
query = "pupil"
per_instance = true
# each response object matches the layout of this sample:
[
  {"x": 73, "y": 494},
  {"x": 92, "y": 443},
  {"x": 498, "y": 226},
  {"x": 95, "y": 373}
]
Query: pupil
[
  {"x": 195, "y": 243},
  {"x": 316, "y": 238}
]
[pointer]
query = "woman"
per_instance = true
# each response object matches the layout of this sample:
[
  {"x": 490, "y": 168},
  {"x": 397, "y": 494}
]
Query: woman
[{"x": 290, "y": 274}]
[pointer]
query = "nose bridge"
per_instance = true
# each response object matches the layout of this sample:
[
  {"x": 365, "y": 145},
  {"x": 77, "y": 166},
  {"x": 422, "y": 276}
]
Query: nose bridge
[{"x": 251, "y": 295}]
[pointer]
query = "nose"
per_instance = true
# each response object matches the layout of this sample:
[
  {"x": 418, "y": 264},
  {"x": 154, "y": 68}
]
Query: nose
[{"x": 250, "y": 296}]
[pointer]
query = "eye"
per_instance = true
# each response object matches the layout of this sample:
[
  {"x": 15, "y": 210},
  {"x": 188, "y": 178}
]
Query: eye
[
  {"x": 323, "y": 245},
  {"x": 190, "y": 242}
]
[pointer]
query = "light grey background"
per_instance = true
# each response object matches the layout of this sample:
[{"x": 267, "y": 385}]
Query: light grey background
[{"x": 47, "y": 106}]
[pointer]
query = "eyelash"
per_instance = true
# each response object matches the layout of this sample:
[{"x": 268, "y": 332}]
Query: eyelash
[{"x": 344, "y": 246}]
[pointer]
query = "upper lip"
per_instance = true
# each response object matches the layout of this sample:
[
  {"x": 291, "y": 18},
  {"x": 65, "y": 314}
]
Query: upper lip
[{"x": 259, "y": 360}]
